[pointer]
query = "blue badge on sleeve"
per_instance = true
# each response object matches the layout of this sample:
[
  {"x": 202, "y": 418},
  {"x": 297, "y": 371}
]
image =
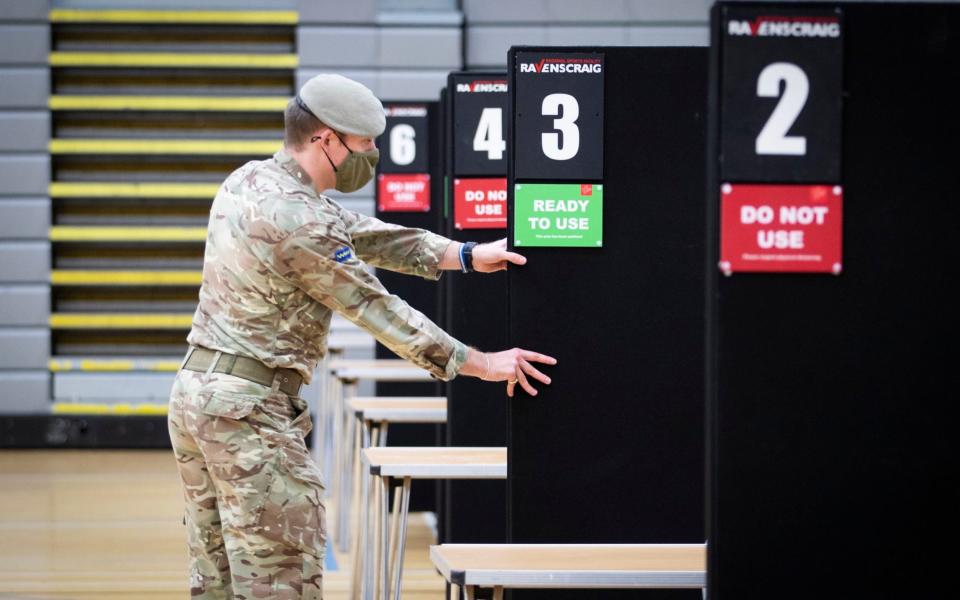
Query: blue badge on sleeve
[{"x": 342, "y": 255}]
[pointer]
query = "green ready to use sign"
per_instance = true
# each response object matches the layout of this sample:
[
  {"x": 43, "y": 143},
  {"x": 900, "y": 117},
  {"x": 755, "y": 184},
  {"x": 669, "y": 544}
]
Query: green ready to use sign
[{"x": 558, "y": 215}]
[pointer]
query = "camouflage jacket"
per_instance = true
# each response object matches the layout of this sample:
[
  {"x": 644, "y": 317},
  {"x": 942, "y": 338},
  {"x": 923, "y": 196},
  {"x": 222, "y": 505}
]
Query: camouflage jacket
[{"x": 280, "y": 258}]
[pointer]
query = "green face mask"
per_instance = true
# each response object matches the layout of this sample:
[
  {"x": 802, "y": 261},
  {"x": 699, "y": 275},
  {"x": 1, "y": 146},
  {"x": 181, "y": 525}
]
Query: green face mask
[{"x": 355, "y": 170}]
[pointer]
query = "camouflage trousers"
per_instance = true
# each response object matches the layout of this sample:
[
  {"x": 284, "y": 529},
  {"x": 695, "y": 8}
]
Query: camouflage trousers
[{"x": 254, "y": 497}]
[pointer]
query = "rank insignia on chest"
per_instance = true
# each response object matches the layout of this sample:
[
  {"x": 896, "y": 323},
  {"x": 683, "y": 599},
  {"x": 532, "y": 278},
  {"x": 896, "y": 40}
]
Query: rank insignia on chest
[{"x": 342, "y": 254}]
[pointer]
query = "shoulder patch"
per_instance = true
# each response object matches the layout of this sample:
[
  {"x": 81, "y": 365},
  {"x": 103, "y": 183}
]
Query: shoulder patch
[{"x": 343, "y": 254}]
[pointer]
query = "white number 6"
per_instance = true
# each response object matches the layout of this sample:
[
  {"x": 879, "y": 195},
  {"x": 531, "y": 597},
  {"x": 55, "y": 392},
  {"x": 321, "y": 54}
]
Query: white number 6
[{"x": 403, "y": 145}]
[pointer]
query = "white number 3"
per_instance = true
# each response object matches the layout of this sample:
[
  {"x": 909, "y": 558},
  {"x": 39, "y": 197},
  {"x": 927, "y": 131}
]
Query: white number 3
[
  {"x": 565, "y": 124},
  {"x": 773, "y": 138}
]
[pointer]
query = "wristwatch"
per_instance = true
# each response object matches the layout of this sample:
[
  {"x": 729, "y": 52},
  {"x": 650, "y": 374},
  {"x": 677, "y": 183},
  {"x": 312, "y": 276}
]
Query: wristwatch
[{"x": 466, "y": 256}]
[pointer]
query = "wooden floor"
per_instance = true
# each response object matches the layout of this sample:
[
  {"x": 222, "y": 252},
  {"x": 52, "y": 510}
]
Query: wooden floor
[{"x": 108, "y": 525}]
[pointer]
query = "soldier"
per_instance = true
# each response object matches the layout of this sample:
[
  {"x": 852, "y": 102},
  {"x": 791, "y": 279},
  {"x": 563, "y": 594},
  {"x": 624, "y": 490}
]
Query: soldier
[{"x": 280, "y": 259}]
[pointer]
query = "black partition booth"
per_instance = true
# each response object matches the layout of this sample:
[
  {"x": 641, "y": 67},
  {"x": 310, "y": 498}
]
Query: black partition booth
[
  {"x": 409, "y": 192},
  {"x": 605, "y": 185},
  {"x": 833, "y": 188},
  {"x": 476, "y": 210}
]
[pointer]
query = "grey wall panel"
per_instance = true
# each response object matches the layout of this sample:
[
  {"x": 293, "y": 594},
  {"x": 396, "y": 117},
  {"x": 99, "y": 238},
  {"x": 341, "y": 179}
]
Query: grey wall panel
[
  {"x": 573, "y": 35},
  {"x": 420, "y": 47},
  {"x": 487, "y": 46},
  {"x": 337, "y": 46},
  {"x": 412, "y": 85},
  {"x": 505, "y": 11},
  {"x": 24, "y": 305},
  {"x": 24, "y": 87},
  {"x": 24, "y": 174},
  {"x": 676, "y": 11},
  {"x": 418, "y": 5},
  {"x": 23, "y": 392},
  {"x": 337, "y": 11},
  {"x": 24, "y": 10},
  {"x": 668, "y": 36},
  {"x": 578, "y": 11},
  {"x": 180, "y": 4},
  {"x": 24, "y": 44},
  {"x": 581, "y": 11},
  {"x": 24, "y": 218},
  {"x": 24, "y": 262},
  {"x": 24, "y": 348},
  {"x": 367, "y": 77},
  {"x": 112, "y": 387},
  {"x": 24, "y": 131},
  {"x": 415, "y": 18}
]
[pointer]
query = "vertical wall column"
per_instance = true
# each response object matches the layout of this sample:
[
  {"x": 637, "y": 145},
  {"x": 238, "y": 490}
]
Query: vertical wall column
[{"x": 24, "y": 207}]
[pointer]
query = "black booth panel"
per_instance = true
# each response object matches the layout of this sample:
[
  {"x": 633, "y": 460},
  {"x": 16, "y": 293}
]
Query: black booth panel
[
  {"x": 831, "y": 438},
  {"x": 476, "y": 314},
  {"x": 423, "y": 295},
  {"x": 613, "y": 450},
  {"x": 477, "y": 410}
]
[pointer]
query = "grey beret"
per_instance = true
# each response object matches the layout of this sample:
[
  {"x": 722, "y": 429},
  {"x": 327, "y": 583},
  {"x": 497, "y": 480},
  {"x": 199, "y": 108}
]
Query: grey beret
[{"x": 343, "y": 104}]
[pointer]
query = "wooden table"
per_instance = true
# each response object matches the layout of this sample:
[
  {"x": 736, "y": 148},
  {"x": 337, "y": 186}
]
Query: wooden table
[
  {"x": 407, "y": 464},
  {"x": 570, "y": 566},
  {"x": 348, "y": 337},
  {"x": 374, "y": 415},
  {"x": 345, "y": 374}
]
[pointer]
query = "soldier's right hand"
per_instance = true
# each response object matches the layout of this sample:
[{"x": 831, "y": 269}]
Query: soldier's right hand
[{"x": 513, "y": 366}]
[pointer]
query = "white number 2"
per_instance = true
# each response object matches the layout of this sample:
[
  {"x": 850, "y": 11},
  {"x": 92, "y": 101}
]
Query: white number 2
[
  {"x": 773, "y": 138},
  {"x": 489, "y": 135},
  {"x": 565, "y": 124},
  {"x": 403, "y": 145}
]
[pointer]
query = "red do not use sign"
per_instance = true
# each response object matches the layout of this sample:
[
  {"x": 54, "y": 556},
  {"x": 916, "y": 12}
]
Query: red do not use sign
[{"x": 781, "y": 228}]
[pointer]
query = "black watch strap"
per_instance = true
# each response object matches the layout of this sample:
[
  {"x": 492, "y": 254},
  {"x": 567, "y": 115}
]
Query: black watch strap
[{"x": 468, "y": 256}]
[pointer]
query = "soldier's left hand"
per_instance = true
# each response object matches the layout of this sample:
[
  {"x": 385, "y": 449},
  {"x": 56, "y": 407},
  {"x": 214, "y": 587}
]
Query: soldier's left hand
[{"x": 492, "y": 257}]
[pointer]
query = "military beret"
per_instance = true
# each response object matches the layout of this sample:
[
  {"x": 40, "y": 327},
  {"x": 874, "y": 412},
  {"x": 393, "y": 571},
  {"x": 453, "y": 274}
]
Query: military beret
[{"x": 343, "y": 104}]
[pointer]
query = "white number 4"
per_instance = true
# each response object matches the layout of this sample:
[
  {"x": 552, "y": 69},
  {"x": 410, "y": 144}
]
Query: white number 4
[
  {"x": 773, "y": 138},
  {"x": 489, "y": 135}
]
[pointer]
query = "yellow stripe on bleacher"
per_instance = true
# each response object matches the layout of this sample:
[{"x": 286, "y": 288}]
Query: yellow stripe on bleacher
[
  {"x": 90, "y": 408},
  {"x": 120, "y": 321},
  {"x": 67, "y": 233},
  {"x": 233, "y": 17},
  {"x": 127, "y": 146},
  {"x": 173, "y": 103},
  {"x": 172, "y": 59},
  {"x": 133, "y": 190},
  {"x": 60, "y": 365},
  {"x": 72, "y": 277}
]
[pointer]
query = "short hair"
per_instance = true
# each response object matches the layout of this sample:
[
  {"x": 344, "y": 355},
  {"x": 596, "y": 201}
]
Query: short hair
[{"x": 298, "y": 125}]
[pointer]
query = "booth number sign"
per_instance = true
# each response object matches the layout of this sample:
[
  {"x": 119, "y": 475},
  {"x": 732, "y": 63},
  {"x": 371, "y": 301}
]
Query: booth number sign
[{"x": 558, "y": 124}]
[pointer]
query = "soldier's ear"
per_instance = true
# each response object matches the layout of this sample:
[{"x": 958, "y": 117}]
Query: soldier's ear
[{"x": 319, "y": 135}]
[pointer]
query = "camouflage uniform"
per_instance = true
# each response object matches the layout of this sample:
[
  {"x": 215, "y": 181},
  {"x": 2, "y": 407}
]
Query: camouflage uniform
[{"x": 280, "y": 258}]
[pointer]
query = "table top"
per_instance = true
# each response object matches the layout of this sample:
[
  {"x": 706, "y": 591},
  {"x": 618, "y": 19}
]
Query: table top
[
  {"x": 573, "y": 565},
  {"x": 349, "y": 340},
  {"x": 387, "y": 369},
  {"x": 353, "y": 363},
  {"x": 437, "y": 462},
  {"x": 400, "y": 409}
]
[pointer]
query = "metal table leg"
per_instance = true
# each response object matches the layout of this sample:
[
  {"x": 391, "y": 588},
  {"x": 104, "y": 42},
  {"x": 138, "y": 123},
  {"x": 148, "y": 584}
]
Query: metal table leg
[
  {"x": 402, "y": 537},
  {"x": 383, "y": 549},
  {"x": 346, "y": 444}
]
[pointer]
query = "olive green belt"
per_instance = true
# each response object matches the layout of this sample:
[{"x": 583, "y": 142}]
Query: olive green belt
[{"x": 199, "y": 359}]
